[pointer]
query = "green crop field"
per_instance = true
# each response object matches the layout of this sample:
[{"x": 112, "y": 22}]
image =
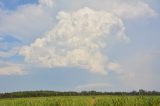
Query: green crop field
[{"x": 83, "y": 101}]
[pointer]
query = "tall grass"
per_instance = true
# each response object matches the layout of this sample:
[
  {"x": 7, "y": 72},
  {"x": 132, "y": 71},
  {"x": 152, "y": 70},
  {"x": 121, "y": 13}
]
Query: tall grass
[{"x": 84, "y": 101}]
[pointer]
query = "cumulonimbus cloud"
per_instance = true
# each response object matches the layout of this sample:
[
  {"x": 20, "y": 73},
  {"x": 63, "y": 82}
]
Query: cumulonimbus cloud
[
  {"x": 30, "y": 21},
  {"x": 79, "y": 39}
]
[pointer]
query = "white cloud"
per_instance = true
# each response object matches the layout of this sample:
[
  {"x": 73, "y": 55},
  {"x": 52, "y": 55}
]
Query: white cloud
[
  {"x": 80, "y": 39},
  {"x": 27, "y": 22},
  {"x": 8, "y": 68},
  {"x": 92, "y": 86},
  {"x": 133, "y": 9},
  {"x": 122, "y": 8},
  {"x": 30, "y": 21}
]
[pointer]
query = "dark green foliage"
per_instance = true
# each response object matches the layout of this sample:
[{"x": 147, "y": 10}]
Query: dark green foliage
[{"x": 83, "y": 93}]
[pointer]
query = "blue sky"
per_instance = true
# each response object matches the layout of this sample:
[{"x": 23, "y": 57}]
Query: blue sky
[{"x": 79, "y": 45}]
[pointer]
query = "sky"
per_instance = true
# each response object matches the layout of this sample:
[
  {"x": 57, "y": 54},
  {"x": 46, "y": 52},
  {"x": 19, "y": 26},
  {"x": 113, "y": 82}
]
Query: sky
[{"x": 76, "y": 45}]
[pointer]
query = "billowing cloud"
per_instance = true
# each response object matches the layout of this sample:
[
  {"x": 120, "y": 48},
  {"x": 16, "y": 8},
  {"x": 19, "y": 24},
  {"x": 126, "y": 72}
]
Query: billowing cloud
[
  {"x": 93, "y": 86},
  {"x": 80, "y": 39},
  {"x": 31, "y": 21},
  {"x": 8, "y": 68}
]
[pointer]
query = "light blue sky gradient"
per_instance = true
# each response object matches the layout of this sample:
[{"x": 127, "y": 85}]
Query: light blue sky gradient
[
  {"x": 13, "y": 4},
  {"x": 144, "y": 34}
]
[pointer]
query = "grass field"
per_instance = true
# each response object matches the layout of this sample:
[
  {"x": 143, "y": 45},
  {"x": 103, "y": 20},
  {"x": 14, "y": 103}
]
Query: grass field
[{"x": 84, "y": 101}]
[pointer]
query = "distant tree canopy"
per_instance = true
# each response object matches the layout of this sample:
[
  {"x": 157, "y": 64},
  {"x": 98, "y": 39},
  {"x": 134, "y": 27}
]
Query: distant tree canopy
[{"x": 72, "y": 93}]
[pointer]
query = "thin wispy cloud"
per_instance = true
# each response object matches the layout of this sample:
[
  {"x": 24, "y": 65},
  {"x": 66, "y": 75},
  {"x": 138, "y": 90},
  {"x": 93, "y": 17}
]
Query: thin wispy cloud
[
  {"x": 8, "y": 68},
  {"x": 27, "y": 22},
  {"x": 12, "y": 52}
]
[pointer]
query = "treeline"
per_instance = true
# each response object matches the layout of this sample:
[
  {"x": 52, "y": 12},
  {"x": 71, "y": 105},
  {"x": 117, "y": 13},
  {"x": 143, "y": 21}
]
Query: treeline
[{"x": 83, "y": 93}]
